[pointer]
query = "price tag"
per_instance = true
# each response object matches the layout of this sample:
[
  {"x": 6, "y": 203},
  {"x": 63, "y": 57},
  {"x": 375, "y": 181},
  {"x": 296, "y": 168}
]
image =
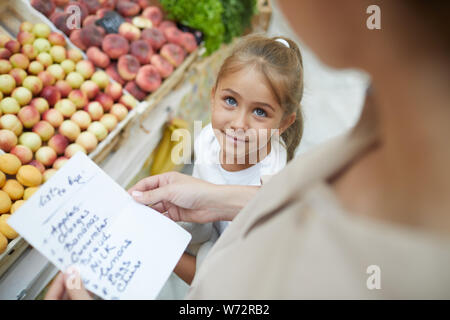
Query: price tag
[{"x": 110, "y": 22}]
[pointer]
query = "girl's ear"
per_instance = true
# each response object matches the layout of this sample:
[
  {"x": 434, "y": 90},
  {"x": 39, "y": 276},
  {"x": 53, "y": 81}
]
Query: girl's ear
[{"x": 287, "y": 122}]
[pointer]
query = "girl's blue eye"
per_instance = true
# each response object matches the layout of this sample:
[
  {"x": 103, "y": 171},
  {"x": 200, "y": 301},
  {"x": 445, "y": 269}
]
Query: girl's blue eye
[
  {"x": 231, "y": 101},
  {"x": 260, "y": 112}
]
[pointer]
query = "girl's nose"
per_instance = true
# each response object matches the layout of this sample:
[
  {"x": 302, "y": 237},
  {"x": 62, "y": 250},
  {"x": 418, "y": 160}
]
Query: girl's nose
[{"x": 239, "y": 122}]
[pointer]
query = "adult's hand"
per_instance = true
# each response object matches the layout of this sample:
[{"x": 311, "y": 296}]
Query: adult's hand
[
  {"x": 67, "y": 287},
  {"x": 185, "y": 198}
]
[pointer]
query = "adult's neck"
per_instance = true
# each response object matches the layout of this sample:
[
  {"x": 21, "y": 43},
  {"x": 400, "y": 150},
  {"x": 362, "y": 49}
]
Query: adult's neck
[{"x": 413, "y": 111}]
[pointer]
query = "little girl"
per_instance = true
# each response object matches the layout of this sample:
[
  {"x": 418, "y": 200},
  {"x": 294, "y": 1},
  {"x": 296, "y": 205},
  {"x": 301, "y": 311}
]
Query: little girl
[{"x": 256, "y": 125}]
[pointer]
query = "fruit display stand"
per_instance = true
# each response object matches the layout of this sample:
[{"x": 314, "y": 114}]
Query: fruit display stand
[{"x": 12, "y": 14}]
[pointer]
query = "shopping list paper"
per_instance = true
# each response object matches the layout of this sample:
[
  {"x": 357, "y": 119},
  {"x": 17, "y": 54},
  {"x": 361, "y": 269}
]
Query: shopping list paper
[{"x": 82, "y": 218}]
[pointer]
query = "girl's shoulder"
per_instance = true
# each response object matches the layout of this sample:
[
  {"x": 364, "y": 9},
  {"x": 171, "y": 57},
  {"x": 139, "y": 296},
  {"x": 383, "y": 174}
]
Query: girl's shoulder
[{"x": 276, "y": 160}]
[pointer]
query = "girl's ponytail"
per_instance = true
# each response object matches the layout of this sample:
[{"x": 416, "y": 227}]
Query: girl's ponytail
[{"x": 293, "y": 134}]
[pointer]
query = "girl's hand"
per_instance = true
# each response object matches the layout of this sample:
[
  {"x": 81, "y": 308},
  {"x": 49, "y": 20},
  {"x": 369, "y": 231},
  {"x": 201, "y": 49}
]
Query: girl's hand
[
  {"x": 67, "y": 287},
  {"x": 184, "y": 198}
]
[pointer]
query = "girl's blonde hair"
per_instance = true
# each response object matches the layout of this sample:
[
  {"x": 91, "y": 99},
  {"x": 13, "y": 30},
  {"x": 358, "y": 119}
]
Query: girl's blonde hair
[{"x": 282, "y": 66}]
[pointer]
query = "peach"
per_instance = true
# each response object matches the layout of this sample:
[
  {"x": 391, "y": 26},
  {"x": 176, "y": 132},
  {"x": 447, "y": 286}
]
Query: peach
[
  {"x": 33, "y": 83},
  {"x": 129, "y": 31},
  {"x": 7, "y": 83},
  {"x": 98, "y": 57},
  {"x": 44, "y": 129},
  {"x": 70, "y": 130},
  {"x": 38, "y": 165},
  {"x": 28, "y": 193},
  {"x": 63, "y": 87},
  {"x": 22, "y": 95},
  {"x": 35, "y": 68},
  {"x": 166, "y": 24},
  {"x": 60, "y": 20},
  {"x": 91, "y": 36},
  {"x": 29, "y": 116},
  {"x": 42, "y": 45},
  {"x": 5, "y": 53},
  {"x": 109, "y": 121},
  {"x": 48, "y": 174},
  {"x": 87, "y": 140},
  {"x": 9, "y": 105},
  {"x": 46, "y": 156},
  {"x": 148, "y": 78},
  {"x": 57, "y": 71},
  {"x": 24, "y": 153},
  {"x": 128, "y": 67},
  {"x": 172, "y": 53},
  {"x": 54, "y": 117},
  {"x": 144, "y": 3},
  {"x": 25, "y": 37},
  {"x": 92, "y": 5},
  {"x": 114, "y": 90},
  {"x": 119, "y": 111},
  {"x": 128, "y": 101},
  {"x": 61, "y": 3},
  {"x": 154, "y": 14},
  {"x": 86, "y": 68},
  {"x": 60, "y": 162},
  {"x": 154, "y": 37},
  {"x": 74, "y": 54},
  {"x": 13, "y": 46},
  {"x": 66, "y": 107},
  {"x": 8, "y": 140},
  {"x": 5, "y": 66},
  {"x": 89, "y": 20},
  {"x": 75, "y": 37},
  {"x": 72, "y": 149},
  {"x": 9, "y": 164},
  {"x": 26, "y": 26},
  {"x": 41, "y": 30},
  {"x": 68, "y": 66},
  {"x": 12, "y": 123},
  {"x": 142, "y": 50},
  {"x": 45, "y": 58},
  {"x": 164, "y": 68},
  {"x": 31, "y": 140},
  {"x": 95, "y": 110},
  {"x": 47, "y": 78},
  {"x": 51, "y": 94},
  {"x": 19, "y": 75},
  {"x": 100, "y": 78},
  {"x": 58, "y": 143},
  {"x": 58, "y": 53},
  {"x": 78, "y": 98},
  {"x": 115, "y": 45},
  {"x": 127, "y": 8},
  {"x": 40, "y": 104},
  {"x": 173, "y": 35},
  {"x": 90, "y": 88},
  {"x": 113, "y": 73},
  {"x": 188, "y": 42},
  {"x": 3, "y": 39},
  {"x": 75, "y": 79},
  {"x": 98, "y": 129},
  {"x": 43, "y": 6},
  {"x": 141, "y": 22},
  {"x": 56, "y": 39},
  {"x": 82, "y": 119},
  {"x": 29, "y": 50},
  {"x": 134, "y": 89},
  {"x": 105, "y": 100}
]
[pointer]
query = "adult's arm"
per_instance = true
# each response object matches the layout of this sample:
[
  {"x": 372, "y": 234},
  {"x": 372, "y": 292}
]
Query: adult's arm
[{"x": 185, "y": 198}]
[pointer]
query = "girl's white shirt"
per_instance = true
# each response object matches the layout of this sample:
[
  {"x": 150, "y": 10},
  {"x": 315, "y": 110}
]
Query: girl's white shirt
[{"x": 207, "y": 165}]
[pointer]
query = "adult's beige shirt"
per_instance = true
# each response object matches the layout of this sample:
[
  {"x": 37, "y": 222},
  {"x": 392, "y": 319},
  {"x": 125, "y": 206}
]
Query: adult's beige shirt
[{"x": 294, "y": 240}]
